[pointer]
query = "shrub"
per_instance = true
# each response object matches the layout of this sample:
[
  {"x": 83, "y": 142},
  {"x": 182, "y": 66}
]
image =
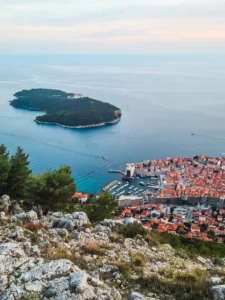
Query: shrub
[
  {"x": 132, "y": 230},
  {"x": 192, "y": 247},
  {"x": 99, "y": 209},
  {"x": 116, "y": 238},
  {"x": 33, "y": 227},
  {"x": 30, "y": 296},
  {"x": 3, "y": 222},
  {"x": 182, "y": 286},
  {"x": 123, "y": 267},
  {"x": 49, "y": 254},
  {"x": 93, "y": 248},
  {"x": 138, "y": 260}
]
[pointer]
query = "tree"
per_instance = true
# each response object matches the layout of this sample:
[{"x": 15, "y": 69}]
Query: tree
[
  {"x": 54, "y": 189},
  {"x": 101, "y": 208},
  {"x": 19, "y": 175},
  {"x": 4, "y": 169}
]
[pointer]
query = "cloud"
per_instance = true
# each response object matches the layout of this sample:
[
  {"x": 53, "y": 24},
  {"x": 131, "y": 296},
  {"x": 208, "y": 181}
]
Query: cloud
[{"x": 98, "y": 24}]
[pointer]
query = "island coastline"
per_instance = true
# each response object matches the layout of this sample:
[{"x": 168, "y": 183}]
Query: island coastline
[
  {"x": 79, "y": 127},
  {"x": 67, "y": 110}
]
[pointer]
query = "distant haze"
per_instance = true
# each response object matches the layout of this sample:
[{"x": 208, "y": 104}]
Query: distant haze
[{"x": 106, "y": 26}]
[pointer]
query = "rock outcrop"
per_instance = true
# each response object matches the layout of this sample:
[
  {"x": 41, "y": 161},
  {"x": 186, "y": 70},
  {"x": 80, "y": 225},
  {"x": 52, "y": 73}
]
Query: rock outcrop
[{"x": 66, "y": 257}]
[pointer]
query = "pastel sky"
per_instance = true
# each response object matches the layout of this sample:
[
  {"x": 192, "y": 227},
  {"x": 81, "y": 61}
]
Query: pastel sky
[{"x": 112, "y": 26}]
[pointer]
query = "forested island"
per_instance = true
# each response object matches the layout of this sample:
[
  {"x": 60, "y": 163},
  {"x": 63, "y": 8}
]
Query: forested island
[{"x": 67, "y": 109}]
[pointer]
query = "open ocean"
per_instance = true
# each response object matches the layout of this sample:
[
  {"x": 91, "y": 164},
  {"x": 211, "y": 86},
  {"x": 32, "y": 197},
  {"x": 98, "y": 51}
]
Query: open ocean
[{"x": 163, "y": 98}]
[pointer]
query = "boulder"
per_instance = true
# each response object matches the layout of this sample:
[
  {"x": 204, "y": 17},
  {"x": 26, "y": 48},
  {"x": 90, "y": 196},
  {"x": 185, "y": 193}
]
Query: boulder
[
  {"x": 112, "y": 223},
  {"x": 32, "y": 216},
  {"x": 215, "y": 280},
  {"x": 57, "y": 214},
  {"x": 15, "y": 208},
  {"x": 20, "y": 217},
  {"x": 71, "y": 221},
  {"x": 218, "y": 292},
  {"x": 108, "y": 269},
  {"x": 80, "y": 218},
  {"x": 136, "y": 296},
  {"x": 129, "y": 221},
  {"x": 2, "y": 215},
  {"x": 4, "y": 203},
  {"x": 201, "y": 260}
]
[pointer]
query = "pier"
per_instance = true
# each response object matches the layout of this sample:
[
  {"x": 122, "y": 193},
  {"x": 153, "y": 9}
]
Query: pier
[
  {"x": 117, "y": 171},
  {"x": 111, "y": 184}
]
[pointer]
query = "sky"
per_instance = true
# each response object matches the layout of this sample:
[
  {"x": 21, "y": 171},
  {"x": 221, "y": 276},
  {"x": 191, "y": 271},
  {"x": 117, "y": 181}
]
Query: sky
[{"x": 112, "y": 26}]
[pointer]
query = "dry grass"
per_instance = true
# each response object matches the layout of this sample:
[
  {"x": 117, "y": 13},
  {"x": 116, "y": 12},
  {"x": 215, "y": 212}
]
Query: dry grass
[
  {"x": 54, "y": 254},
  {"x": 93, "y": 248},
  {"x": 138, "y": 260}
]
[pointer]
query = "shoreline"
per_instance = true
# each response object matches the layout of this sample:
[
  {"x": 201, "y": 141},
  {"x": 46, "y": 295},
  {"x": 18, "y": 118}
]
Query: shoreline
[{"x": 80, "y": 126}]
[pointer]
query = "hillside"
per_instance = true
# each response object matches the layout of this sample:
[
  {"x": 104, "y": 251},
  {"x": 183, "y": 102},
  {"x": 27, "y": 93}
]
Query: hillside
[
  {"x": 67, "y": 109},
  {"x": 66, "y": 257}
]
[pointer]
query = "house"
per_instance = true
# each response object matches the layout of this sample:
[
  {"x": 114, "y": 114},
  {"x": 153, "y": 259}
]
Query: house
[{"x": 81, "y": 197}]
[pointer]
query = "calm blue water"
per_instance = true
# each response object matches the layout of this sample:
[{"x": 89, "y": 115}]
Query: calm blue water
[{"x": 164, "y": 98}]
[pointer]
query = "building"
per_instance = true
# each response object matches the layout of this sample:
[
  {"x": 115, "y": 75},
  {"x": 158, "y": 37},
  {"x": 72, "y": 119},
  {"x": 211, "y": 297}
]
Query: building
[
  {"x": 81, "y": 197},
  {"x": 130, "y": 170},
  {"x": 126, "y": 201}
]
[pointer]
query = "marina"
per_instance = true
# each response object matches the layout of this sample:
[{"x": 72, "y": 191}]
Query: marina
[{"x": 135, "y": 187}]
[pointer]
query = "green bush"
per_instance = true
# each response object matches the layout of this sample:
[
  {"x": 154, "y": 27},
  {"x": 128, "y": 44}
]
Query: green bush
[
  {"x": 138, "y": 260},
  {"x": 181, "y": 286},
  {"x": 191, "y": 247},
  {"x": 132, "y": 230}
]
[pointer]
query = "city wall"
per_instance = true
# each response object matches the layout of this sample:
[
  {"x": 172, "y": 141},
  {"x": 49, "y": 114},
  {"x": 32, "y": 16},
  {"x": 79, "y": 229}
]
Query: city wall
[{"x": 217, "y": 202}]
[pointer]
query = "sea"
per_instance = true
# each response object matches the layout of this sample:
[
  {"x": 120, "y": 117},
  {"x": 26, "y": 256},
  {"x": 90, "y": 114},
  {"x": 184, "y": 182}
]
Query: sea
[{"x": 164, "y": 98}]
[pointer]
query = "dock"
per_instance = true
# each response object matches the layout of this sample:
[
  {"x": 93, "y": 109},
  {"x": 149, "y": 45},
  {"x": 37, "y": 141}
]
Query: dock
[
  {"x": 117, "y": 171},
  {"x": 111, "y": 184}
]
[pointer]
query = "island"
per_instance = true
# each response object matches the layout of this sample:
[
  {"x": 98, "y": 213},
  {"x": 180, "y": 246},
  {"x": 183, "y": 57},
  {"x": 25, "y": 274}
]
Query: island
[{"x": 67, "y": 109}]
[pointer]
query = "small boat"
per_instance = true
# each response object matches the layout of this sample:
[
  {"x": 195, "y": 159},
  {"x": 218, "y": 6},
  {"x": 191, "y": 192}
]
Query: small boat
[{"x": 141, "y": 183}]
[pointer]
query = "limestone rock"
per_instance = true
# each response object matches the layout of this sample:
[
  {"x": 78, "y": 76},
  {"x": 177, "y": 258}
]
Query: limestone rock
[
  {"x": 15, "y": 208},
  {"x": 136, "y": 296},
  {"x": 71, "y": 221},
  {"x": 4, "y": 203},
  {"x": 218, "y": 292}
]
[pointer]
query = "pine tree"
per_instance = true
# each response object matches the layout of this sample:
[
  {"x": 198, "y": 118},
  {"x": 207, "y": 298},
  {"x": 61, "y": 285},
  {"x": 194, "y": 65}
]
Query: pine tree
[
  {"x": 54, "y": 189},
  {"x": 19, "y": 175},
  {"x": 101, "y": 208},
  {"x": 4, "y": 169}
]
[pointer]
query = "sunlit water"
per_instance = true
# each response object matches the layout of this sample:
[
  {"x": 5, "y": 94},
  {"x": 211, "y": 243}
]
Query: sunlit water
[{"x": 163, "y": 100}]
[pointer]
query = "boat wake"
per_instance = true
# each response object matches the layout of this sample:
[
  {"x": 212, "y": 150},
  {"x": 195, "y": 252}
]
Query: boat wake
[
  {"x": 208, "y": 136},
  {"x": 56, "y": 147}
]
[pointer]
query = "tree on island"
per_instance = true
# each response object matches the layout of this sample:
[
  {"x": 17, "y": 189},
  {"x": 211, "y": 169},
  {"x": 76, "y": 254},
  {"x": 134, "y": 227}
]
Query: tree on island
[
  {"x": 19, "y": 175},
  {"x": 54, "y": 189}
]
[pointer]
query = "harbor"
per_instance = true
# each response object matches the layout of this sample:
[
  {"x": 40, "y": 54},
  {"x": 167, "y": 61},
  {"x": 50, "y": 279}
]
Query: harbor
[
  {"x": 139, "y": 187},
  {"x": 168, "y": 178}
]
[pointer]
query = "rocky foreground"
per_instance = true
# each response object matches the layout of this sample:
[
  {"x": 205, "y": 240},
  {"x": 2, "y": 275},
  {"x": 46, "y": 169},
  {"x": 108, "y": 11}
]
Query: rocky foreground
[{"x": 65, "y": 257}]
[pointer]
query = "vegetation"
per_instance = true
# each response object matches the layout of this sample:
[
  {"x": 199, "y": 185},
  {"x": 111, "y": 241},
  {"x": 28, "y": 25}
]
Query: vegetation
[
  {"x": 192, "y": 247},
  {"x": 58, "y": 253},
  {"x": 182, "y": 286},
  {"x": 185, "y": 247},
  {"x": 100, "y": 208},
  {"x": 15, "y": 174},
  {"x": 93, "y": 248},
  {"x": 62, "y": 108},
  {"x": 138, "y": 260},
  {"x": 53, "y": 190},
  {"x": 132, "y": 230}
]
